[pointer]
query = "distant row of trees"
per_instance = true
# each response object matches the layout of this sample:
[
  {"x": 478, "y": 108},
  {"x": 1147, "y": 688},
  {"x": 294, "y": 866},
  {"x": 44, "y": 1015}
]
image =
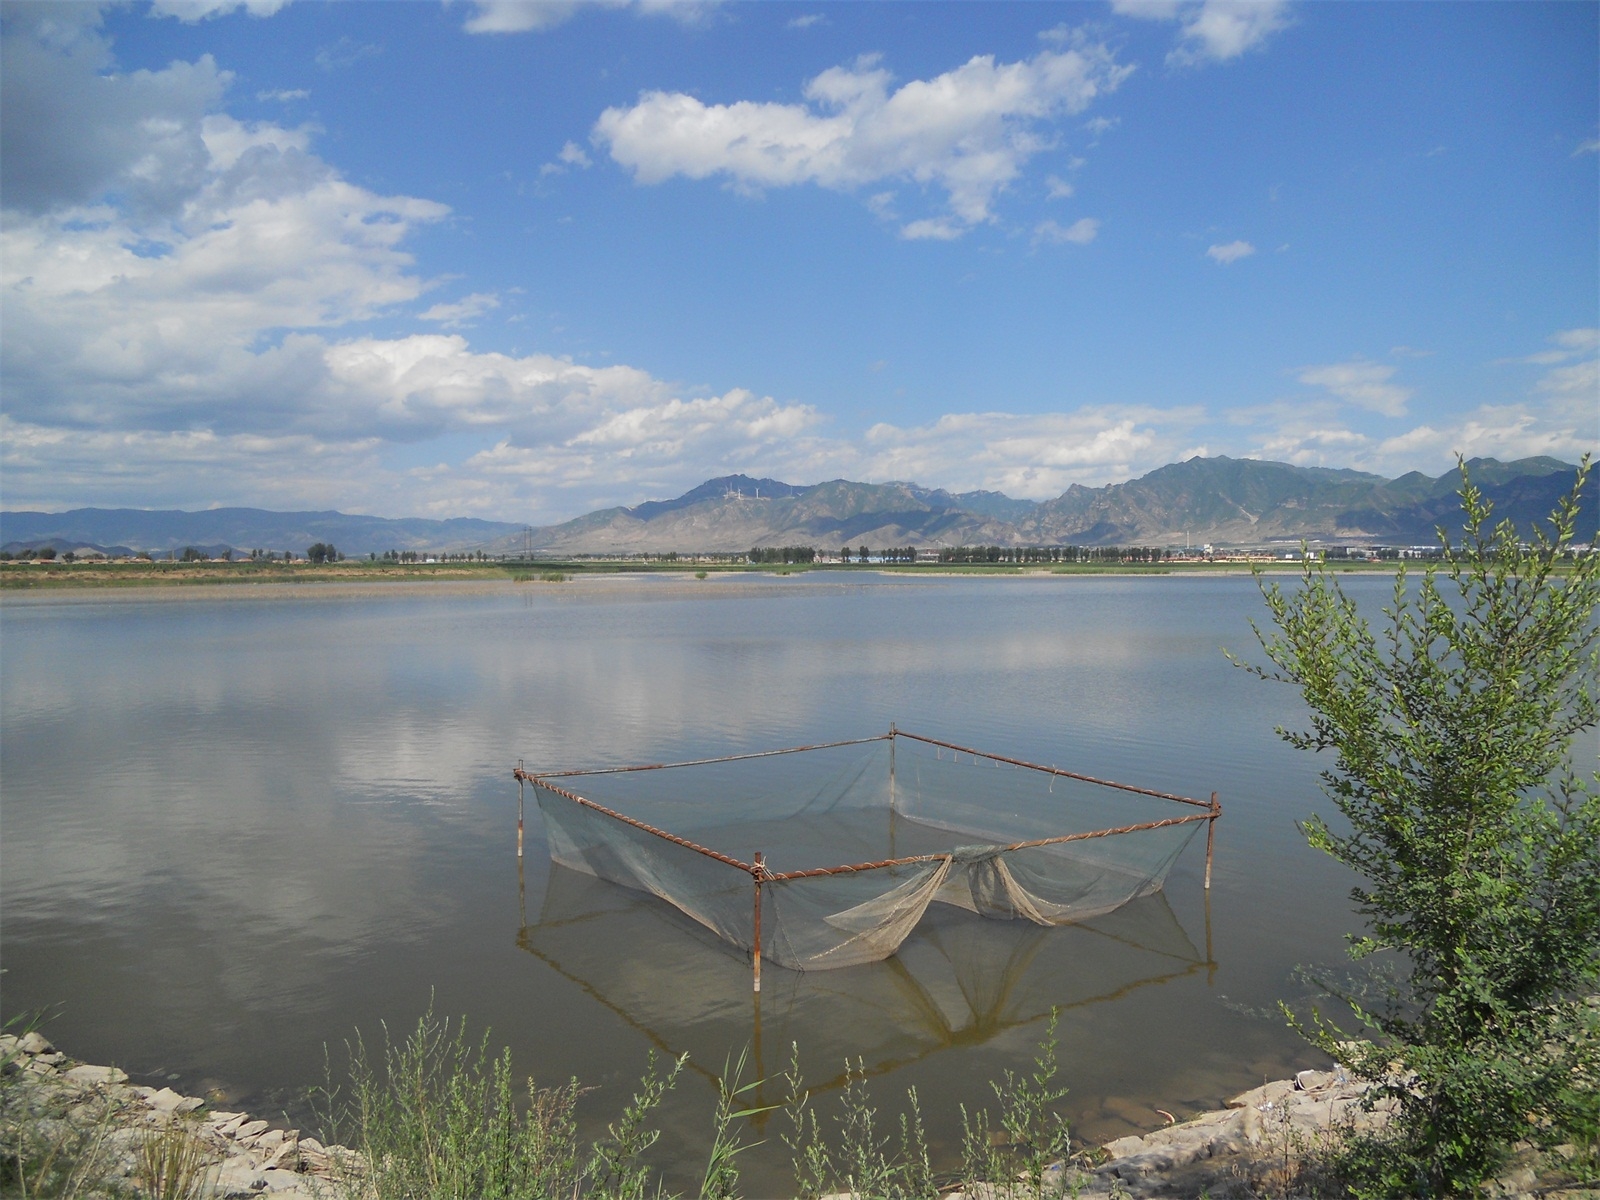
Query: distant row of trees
[
  {"x": 1053, "y": 554},
  {"x": 783, "y": 554}
]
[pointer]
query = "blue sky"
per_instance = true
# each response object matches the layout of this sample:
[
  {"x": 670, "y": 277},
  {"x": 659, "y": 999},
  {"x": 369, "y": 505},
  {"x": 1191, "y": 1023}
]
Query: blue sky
[{"x": 525, "y": 260}]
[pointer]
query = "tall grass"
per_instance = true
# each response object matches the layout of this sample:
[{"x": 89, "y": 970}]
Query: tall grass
[
  {"x": 173, "y": 1163},
  {"x": 51, "y": 1145},
  {"x": 435, "y": 1116}
]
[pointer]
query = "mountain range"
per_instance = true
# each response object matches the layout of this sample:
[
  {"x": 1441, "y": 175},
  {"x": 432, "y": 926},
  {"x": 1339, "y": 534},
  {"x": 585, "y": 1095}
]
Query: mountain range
[{"x": 1223, "y": 501}]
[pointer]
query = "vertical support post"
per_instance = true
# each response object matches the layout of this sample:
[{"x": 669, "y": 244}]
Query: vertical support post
[
  {"x": 1211, "y": 959},
  {"x": 891, "y": 788},
  {"x": 1211, "y": 836},
  {"x": 519, "y": 809},
  {"x": 755, "y": 957}
]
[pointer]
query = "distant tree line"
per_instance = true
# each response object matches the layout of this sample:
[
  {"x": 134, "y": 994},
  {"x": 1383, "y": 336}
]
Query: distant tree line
[
  {"x": 323, "y": 552},
  {"x": 784, "y": 554},
  {"x": 1052, "y": 554}
]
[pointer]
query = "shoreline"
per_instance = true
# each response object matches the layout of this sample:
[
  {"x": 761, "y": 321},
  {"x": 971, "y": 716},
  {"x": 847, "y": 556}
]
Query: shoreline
[
  {"x": 1248, "y": 1148},
  {"x": 1262, "y": 1143},
  {"x": 354, "y": 585}
]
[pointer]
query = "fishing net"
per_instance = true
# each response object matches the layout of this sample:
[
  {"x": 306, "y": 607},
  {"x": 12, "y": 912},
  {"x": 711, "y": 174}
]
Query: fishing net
[{"x": 828, "y": 856}]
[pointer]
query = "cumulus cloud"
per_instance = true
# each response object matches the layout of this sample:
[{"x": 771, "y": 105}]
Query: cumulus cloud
[
  {"x": 968, "y": 132},
  {"x": 1057, "y": 188},
  {"x": 284, "y": 95},
  {"x": 1366, "y": 385},
  {"x": 1034, "y": 456},
  {"x": 74, "y": 128},
  {"x": 1230, "y": 253},
  {"x": 1080, "y": 233},
  {"x": 535, "y": 16},
  {"x": 1213, "y": 31}
]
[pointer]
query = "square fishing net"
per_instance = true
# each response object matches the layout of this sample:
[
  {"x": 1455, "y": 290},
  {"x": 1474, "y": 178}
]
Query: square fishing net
[{"x": 821, "y": 857}]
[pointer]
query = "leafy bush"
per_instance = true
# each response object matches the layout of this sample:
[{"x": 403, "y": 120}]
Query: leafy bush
[{"x": 1478, "y": 845}]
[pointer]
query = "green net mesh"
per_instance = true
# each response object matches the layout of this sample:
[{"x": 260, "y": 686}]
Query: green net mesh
[{"x": 834, "y": 853}]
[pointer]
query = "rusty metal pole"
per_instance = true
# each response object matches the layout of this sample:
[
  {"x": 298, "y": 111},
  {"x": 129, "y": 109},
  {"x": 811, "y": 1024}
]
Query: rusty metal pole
[
  {"x": 1211, "y": 836},
  {"x": 755, "y": 957},
  {"x": 891, "y": 788}
]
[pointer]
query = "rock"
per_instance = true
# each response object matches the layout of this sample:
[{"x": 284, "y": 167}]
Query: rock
[
  {"x": 249, "y": 1130},
  {"x": 169, "y": 1101},
  {"x": 222, "y": 1118},
  {"x": 1311, "y": 1081},
  {"x": 1123, "y": 1147},
  {"x": 95, "y": 1076},
  {"x": 1267, "y": 1093},
  {"x": 34, "y": 1042},
  {"x": 239, "y": 1178},
  {"x": 286, "y": 1156},
  {"x": 281, "y": 1181}
]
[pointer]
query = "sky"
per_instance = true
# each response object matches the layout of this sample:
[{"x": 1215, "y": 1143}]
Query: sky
[{"x": 521, "y": 261}]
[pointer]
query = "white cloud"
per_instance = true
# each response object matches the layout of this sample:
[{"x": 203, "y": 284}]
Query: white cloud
[
  {"x": 968, "y": 132},
  {"x": 1566, "y": 344},
  {"x": 1057, "y": 188},
  {"x": 1213, "y": 30},
  {"x": 1578, "y": 341},
  {"x": 1230, "y": 253},
  {"x": 937, "y": 229},
  {"x": 73, "y": 127},
  {"x": 200, "y": 10},
  {"x": 1033, "y": 456},
  {"x": 345, "y": 52},
  {"x": 1360, "y": 383},
  {"x": 572, "y": 155},
  {"x": 534, "y": 16},
  {"x": 1592, "y": 146},
  {"x": 1080, "y": 233},
  {"x": 806, "y": 21},
  {"x": 284, "y": 95},
  {"x": 463, "y": 311},
  {"x": 1148, "y": 10}
]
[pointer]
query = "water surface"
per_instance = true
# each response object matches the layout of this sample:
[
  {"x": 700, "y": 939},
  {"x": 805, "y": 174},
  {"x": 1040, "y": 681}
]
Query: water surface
[{"x": 237, "y": 827}]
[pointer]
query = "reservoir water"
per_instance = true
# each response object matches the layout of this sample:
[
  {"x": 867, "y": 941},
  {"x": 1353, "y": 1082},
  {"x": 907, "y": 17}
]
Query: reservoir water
[{"x": 238, "y": 827}]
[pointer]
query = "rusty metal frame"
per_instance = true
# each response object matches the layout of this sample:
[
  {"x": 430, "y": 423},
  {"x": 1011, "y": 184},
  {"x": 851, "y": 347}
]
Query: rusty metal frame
[{"x": 759, "y": 872}]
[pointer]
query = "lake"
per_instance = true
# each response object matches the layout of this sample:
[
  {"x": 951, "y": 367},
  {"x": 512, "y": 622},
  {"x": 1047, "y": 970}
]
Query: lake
[{"x": 238, "y": 827}]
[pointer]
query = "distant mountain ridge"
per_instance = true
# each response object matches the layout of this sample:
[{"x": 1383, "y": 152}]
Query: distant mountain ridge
[
  {"x": 241, "y": 529},
  {"x": 1219, "y": 500},
  {"x": 1224, "y": 501}
]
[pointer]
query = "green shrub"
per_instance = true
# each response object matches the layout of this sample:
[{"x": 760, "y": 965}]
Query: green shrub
[{"x": 1478, "y": 846}]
